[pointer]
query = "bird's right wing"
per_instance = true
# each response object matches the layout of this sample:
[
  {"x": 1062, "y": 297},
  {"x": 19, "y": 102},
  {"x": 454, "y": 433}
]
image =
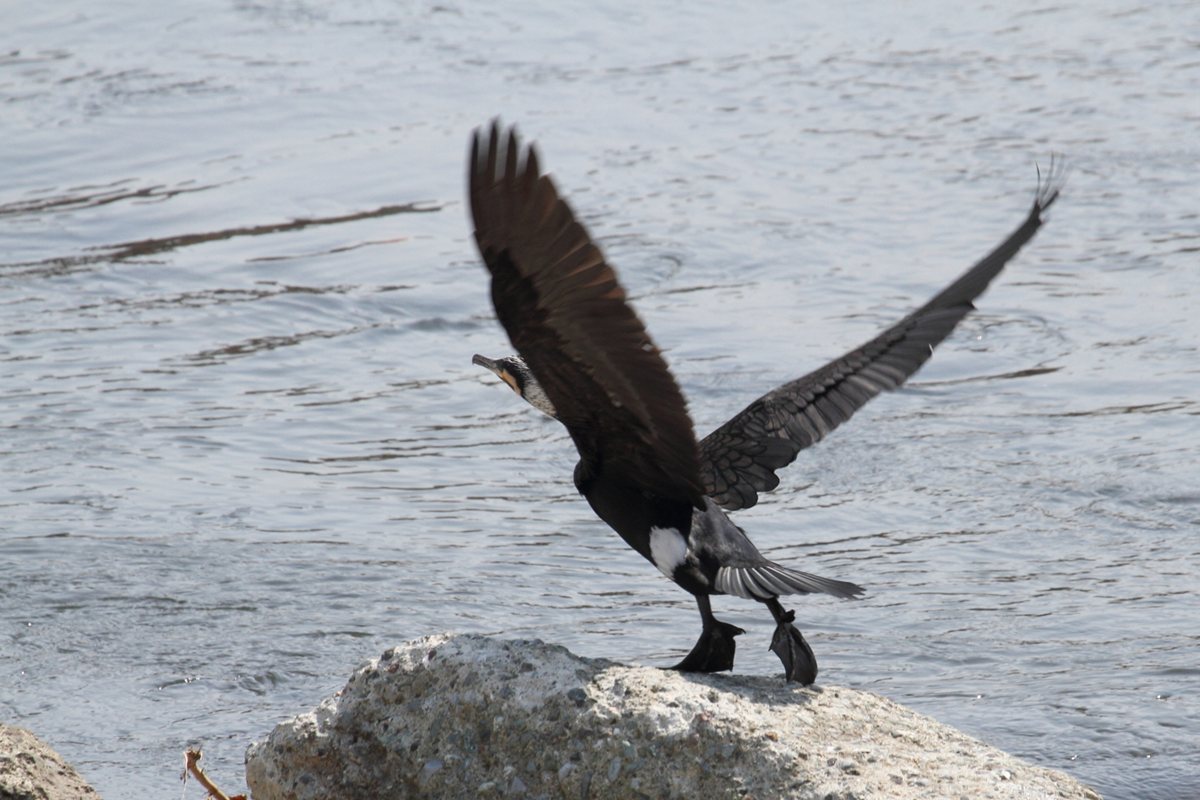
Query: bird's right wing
[{"x": 738, "y": 460}]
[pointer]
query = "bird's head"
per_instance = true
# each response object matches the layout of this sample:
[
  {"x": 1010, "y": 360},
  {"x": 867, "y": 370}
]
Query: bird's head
[{"x": 516, "y": 373}]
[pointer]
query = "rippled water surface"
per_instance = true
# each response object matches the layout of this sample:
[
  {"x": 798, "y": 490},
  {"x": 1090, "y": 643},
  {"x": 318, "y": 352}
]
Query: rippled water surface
[{"x": 244, "y": 447}]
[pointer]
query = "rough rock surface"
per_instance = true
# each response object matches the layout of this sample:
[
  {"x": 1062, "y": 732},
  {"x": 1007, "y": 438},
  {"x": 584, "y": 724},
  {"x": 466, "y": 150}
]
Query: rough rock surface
[
  {"x": 467, "y": 716},
  {"x": 31, "y": 770}
]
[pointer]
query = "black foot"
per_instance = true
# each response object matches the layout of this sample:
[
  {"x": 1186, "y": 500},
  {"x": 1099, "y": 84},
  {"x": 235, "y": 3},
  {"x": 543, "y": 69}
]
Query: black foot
[
  {"x": 713, "y": 651},
  {"x": 799, "y": 663}
]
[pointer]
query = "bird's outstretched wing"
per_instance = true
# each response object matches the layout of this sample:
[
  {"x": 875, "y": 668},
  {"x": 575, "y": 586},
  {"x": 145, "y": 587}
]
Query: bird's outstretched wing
[
  {"x": 566, "y": 314},
  {"x": 738, "y": 460}
]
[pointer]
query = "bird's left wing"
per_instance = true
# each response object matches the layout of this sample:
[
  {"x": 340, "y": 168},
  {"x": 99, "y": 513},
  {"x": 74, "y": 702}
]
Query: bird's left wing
[{"x": 567, "y": 316}]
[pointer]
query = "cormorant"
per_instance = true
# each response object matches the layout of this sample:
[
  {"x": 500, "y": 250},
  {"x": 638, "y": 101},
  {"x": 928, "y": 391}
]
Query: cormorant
[{"x": 586, "y": 360}]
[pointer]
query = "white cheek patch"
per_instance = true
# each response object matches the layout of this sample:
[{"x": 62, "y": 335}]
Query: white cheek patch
[{"x": 668, "y": 549}]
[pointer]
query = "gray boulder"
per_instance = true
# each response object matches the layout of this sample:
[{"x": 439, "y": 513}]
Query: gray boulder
[
  {"x": 31, "y": 770},
  {"x": 460, "y": 716}
]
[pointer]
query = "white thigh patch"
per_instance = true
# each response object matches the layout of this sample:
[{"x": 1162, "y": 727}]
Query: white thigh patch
[{"x": 668, "y": 548}]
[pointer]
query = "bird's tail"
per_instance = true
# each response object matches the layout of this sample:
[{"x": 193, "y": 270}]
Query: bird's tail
[{"x": 768, "y": 579}]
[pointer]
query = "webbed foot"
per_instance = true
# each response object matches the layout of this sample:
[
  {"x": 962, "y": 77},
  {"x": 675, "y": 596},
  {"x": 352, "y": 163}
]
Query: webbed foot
[
  {"x": 799, "y": 663},
  {"x": 713, "y": 651}
]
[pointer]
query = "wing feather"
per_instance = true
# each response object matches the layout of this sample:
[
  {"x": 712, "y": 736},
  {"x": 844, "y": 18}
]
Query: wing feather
[
  {"x": 738, "y": 460},
  {"x": 566, "y": 314}
]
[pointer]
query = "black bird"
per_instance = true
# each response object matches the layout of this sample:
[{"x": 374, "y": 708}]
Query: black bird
[{"x": 586, "y": 360}]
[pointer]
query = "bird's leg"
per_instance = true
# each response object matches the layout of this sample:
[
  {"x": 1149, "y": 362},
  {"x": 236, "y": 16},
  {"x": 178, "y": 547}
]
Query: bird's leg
[
  {"x": 799, "y": 663},
  {"x": 713, "y": 651}
]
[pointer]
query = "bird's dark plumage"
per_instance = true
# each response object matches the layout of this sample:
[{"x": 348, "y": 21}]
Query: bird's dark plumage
[
  {"x": 586, "y": 359},
  {"x": 738, "y": 460},
  {"x": 566, "y": 314}
]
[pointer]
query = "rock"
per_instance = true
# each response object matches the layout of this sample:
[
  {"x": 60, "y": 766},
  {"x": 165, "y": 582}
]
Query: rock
[
  {"x": 31, "y": 770},
  {"x": 468, "y": 716}
]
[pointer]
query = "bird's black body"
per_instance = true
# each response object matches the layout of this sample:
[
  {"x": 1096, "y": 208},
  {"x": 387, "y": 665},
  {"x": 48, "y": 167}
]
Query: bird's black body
[
  {"x": 586, "y": 360},
  {"x": 627, "y": 510}
]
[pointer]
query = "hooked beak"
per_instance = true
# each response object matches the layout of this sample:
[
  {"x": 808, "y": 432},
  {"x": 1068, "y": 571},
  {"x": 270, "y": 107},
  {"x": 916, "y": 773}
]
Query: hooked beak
[
  {"x": 497, "y": 370},
  {"x": 485, "y": 362}
]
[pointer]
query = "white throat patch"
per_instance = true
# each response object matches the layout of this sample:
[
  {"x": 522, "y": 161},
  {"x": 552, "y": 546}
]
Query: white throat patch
[
  {"x": 668, "y": 549},
  {"x": 538, "y": 399}
]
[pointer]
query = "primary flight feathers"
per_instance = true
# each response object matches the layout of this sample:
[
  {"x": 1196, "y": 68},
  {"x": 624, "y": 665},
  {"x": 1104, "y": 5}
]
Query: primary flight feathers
[{"x": 566, "y": 314}]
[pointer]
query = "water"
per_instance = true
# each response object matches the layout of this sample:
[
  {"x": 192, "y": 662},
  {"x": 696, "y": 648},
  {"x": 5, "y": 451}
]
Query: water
[{"x": 245, "y": 448}]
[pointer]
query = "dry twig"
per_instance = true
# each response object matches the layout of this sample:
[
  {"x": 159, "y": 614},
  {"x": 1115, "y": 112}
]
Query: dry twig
[{"x": 191, "y": 760}]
